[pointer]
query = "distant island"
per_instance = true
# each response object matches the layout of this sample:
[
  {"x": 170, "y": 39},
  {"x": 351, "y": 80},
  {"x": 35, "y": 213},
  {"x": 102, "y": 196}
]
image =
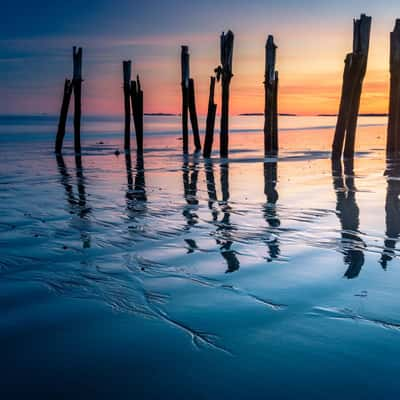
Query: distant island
[
  {"x": 160, "y": 114},
  {"x": 262, "y": 114},
  {"x": 360, "y": 115}
]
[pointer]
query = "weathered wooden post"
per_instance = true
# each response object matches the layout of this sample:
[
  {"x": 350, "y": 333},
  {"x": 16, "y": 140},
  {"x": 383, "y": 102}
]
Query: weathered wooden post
[
  {"x": 137, "y": 110},
  {"x": 63, "y": 116},
  {"x": 275, "y": 139},
  {"x": 193, "y": 116},
  {"x": 393, "y": 131},
  {"x": 77, "y": 84},
  {"x": 126, "y": 70},
  {"x": 212, "y": 109},
  {"x": 185, "y": 73},
  {"x": 271, "y": 99},
  {"x": 226, "y": 76},
  {"x": 353, "y": 76}
]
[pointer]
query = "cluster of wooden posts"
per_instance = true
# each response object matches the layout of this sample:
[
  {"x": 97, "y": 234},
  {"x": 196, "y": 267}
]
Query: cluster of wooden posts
[
  {"x": 345, "y": 132},
  {"x": 353, "y": 77},
  {"x": 72, "y": 85}
]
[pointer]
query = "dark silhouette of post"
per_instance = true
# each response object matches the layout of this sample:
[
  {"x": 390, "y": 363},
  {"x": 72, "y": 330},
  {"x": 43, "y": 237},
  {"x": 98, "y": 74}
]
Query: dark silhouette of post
[
  {"x": 77, "y": 83},
  {"x": 185, "y": 74},
  {"x": 348, "y": 213},
  {"x": 193, "y": 116},
  {"x": 392, "y": 209},
  {"x": 210, "y": 123},
  {"x": 188, "y": 103},
  {"x": 393, "y": 132},
  {"x": 270, "y": 215},
  {"x": 271, "y": 99},
  {"x": 353, "y": 77},
  {"x": 275, "y": 139},
  {"x": 126, "y": 69},
  {"x": 226, "y": 76},
  {"x": 63, "y": 115},
  {"x": 137, "y": 110}
]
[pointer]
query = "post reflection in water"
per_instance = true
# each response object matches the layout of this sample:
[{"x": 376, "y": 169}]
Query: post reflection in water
[
  {"x": 392, "y": 209},
  {"x": 348, "y": 213},
  {"x": 269, "y": 209},
  {"x": 225, "y": 227},
  {"x": 190, "y": 174},
  {"x": 78, "y": 205},
  {"x": 212, "y": 193},
  {"x": 136, "y": 191}
]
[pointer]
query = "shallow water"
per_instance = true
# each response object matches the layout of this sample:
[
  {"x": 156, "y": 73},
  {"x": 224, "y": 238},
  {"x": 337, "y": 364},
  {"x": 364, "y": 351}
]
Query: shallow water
[{"x": 173, "y": 277}]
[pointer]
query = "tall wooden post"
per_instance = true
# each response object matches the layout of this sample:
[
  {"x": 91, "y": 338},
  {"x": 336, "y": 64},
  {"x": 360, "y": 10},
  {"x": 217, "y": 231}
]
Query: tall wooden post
[
  {"x": 139, "y": 113},
  {"x": 353, "y": 77},
  {"x": 185, "y": 73},
  {"x": 271, "y": 99},
  {"x": 275, "y": 139},
  {"x": 137, "y": 110},
  {"x": 63, "y": 116},
  {"x": 226, "y": 76},
  {"x": 193, "y": 116},
  {"x": 126, "y": 70},
  {"x": 212, "y": 109},
  {"x": 77, "y": 83},
  {"x": 393, "y": 131}
]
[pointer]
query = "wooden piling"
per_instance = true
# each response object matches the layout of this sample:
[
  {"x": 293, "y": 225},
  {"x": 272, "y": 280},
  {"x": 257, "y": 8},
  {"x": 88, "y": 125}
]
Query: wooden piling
[
  {"x": 271, "y": 98},
  {"x": 275, "y": 139},
  {"x": 63, "y": 116},
  {"x": 126, "y": 70},
  {"x": 137, "y": 110},
  {"x": 77, "y": 84},
  {"x": 340, "y": 131},
  {"x": 212, "y": 109},
  {"x": 393, "y": 130},
  {"x": 193, "y": 115},
  {"x": 185, "y": 73},
  {"x": 139, "y": 113},
  {"x": 226, "y": 76},
  {"x": 353, "y": 77}
]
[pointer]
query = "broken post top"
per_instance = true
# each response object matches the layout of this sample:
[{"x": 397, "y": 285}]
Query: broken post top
[
  {"x": 227, "y": 52},
  {"x": 395, "y": 47},
  {"x": 135, "y": 86},
  {"x": 270, "y": 59},
  {"x": 361, "y": 33},
  {"x": 77, "y": 58},
  {"x": 185, "y": 65},
  {"x": 126, "y": 66}
]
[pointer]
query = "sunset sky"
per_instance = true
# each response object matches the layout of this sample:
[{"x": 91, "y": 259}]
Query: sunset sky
[{"x": 36, "y": 39}]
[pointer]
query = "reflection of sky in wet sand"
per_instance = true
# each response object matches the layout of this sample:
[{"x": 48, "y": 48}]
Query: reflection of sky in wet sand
[{"x": 248, "y": 257}]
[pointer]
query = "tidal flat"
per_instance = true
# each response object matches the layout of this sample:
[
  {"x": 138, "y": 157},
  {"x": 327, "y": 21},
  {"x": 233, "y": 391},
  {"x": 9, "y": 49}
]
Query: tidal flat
[{"x": 177, "y": 277}]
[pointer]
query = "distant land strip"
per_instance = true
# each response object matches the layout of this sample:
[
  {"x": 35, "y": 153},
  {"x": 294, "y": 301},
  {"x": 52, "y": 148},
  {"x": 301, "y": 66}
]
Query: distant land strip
[
  {"x": 360, "y": 115},
  {"x": 262, "y": 114}
]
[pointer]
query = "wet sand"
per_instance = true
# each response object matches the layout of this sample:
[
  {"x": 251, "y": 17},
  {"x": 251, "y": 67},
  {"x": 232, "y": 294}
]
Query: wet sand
[{"x": 173, "y": 277}]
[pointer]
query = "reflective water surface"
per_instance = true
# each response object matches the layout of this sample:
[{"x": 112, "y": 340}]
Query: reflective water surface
[{"x": 173, "y": 277}]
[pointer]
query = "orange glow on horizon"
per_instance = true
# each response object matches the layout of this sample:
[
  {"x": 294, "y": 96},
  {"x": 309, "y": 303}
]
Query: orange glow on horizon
[{"x": 310, "y": 73}]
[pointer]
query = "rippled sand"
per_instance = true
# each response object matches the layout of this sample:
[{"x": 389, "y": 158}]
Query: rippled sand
[{"x": 173, "y": 277}]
